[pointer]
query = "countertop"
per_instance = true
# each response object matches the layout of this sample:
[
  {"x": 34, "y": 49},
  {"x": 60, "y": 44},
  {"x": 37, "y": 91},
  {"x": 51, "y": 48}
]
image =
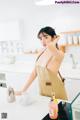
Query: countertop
[{"x": 36, "y": 110}]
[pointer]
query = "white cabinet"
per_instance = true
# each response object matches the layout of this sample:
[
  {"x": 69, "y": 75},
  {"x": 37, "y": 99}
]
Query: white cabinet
[
  {"x": 2, "y": 79},
  {"x": 72, "y": 87},
  {"x": 14, "y": 79},
  {"x": 16, "y": 73}
]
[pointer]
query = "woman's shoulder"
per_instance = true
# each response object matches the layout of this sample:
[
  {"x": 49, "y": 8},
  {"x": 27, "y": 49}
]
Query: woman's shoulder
[
  {"x": 61, "y": 54},
  {"x": 53, "y": 49},
  {"x": 40, "y": 51}
]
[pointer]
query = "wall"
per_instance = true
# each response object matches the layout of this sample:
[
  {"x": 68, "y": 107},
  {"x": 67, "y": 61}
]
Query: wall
[{"x": 31, "y": 18}]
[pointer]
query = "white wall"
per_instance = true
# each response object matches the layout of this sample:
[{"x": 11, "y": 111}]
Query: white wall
[{"x": 31, "y": 18}]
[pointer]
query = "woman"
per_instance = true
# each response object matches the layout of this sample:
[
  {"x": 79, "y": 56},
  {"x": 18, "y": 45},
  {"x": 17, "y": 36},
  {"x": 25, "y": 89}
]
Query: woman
[{"x": 47, "y": 66}]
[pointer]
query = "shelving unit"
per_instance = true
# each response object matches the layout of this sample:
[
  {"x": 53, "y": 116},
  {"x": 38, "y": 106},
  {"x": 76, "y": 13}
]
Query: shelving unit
[{"x": 72, "y": 38}]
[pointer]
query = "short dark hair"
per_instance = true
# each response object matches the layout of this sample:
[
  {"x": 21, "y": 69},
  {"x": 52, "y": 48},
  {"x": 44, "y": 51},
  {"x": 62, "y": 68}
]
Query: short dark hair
[{"x": 48, "y": 30}]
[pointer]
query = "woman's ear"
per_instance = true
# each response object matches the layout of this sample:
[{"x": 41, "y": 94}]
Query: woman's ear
[{"x": 54, "y": 37}]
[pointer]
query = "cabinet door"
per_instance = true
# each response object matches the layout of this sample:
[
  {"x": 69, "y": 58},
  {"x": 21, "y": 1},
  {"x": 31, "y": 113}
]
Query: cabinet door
[{"x": 72, "y": 88}]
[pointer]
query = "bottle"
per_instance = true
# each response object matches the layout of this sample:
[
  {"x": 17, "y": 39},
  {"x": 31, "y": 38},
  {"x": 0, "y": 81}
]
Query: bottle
[
  {"x": 53, "y": 108},
  {"x": 10, "y": 95}
]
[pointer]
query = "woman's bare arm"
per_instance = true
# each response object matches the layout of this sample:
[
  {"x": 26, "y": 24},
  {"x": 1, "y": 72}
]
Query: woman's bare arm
[{"x": 28, "y": 82}]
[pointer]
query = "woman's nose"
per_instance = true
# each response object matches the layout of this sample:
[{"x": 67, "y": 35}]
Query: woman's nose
[
  {"x": 44, "y": 43},
  {"x": 43, "y": 40}
]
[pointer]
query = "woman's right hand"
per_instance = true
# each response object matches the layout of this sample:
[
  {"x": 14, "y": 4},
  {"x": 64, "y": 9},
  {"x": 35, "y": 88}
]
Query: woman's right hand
[{"x": 17, "y": 93}]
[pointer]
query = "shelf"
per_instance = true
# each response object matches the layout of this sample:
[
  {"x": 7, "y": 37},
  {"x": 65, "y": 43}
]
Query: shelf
[{"x": 63, "y": 47}]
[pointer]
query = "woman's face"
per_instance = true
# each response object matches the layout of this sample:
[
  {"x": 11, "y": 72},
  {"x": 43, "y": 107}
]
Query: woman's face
[{"x": 45, "y": 39}]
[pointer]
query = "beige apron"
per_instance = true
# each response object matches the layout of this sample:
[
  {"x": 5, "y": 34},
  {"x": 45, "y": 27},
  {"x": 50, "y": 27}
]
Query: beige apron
[{"x": 50, "y": 82}]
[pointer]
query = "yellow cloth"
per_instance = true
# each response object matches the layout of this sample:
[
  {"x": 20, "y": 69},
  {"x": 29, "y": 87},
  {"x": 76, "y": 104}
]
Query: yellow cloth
[{"x": 49, "y": 82}]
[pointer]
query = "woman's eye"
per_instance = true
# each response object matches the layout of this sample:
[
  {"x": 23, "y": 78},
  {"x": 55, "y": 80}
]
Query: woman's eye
[
  {"x": 46, "y": 37},
  {"x": 40, "y": 38}
]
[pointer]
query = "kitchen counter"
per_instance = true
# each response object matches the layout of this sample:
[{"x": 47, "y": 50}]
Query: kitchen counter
[
  {"x": 21, "y": 64},
  {"x": 16, "y": 74},
  {"x": 67, "y": 70},
  {"x": 16, "y": 111}
]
